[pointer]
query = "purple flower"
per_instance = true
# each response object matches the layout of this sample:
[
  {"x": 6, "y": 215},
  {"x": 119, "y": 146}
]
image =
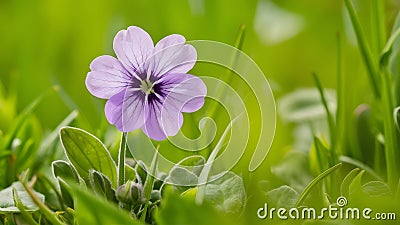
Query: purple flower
[{"x": 147, "y": 86}]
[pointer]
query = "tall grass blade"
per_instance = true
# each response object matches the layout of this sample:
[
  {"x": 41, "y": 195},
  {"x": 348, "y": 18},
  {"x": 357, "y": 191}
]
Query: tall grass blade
[
  {"x": 364, "y": 49},
  {"x": 314, "y": 182}
]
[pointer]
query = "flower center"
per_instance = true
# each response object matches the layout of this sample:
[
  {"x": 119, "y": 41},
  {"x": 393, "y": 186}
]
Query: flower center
[{"x": 147, "y": 87}]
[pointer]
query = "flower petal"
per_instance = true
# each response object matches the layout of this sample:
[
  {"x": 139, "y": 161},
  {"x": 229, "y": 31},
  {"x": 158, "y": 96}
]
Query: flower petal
[
  {"x": 171, "y": 55},
  {"x": 113, "y": 109},
  {"x": 107, "y": 78},
  {"x": 185, "y": 91},
  {"x": 162, "y": 121},
  {"x": 133, "y": 47},
  {"x": 168, "y": 41},
  {"x": 133, "y": 110}
]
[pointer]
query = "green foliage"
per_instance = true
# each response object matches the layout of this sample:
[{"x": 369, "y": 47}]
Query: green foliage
[
  {"x": 104, "y": 212},
  {"x": 282, "y": 197},
  {"x": 178, "y": 210},
  {"x": 226, "y": 193},
  {"x": 7, "y": 199},
  {"x": 86, "y": 152}
]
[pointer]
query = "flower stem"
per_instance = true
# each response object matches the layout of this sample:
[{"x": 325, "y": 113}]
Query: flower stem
[
  {"x": 391, "y": 144},
  {"x": 121, "y": 159},
  {"x": 148, "y": 185}
]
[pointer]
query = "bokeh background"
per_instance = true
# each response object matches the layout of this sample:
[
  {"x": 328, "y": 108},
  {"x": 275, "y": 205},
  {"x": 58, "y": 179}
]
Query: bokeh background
[{"x": 47, "y": 43}]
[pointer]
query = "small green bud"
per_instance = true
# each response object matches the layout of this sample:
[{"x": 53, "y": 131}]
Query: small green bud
[
  {"x": 131, "y": 193},
  {"x": 137, "y": 194},
  {"x": 155, "y": 196},
  {"x": 123, "y": 193}
]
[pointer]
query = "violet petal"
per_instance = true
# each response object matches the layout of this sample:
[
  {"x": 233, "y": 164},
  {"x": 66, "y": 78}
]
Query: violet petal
[
  {"x": 133, "y": 114},
  {"x": 185, "y": 91},
  {"x": 133, "y": 47},
  {"x": 171, "y": 55},
  {"x": 113, "y": 109},
  {"x": 107, "y": 78}
]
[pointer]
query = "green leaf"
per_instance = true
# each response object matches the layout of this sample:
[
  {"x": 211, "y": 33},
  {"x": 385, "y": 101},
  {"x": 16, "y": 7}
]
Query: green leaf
[
  {"x": 364, "y": 133},
  {"x": 377, "y": 189},
  {"x": 345, "y": 186},
  {"x": 282, "y": 197},
  {"x": 66, "y": 195},
  {"x": 331, "y": 121},
  {"x": 203, "y": 177},
  {"x": 64, "y": 170},
  {"x": 365, "y": 50},
  {"x": 141, "y": 170},
  {"x": 194, "y": 162},
  {"x": 7, "y": 203},
  {"x": 24, "y": 213},
  {"x": 178, "y": 211},
  {"x": 314, "y": 182},
  {"x": 355, "y": 186},
  {"x": 392, "y": 41},
  {"x": 180, "y": 176},
  {"x": 226, "y": 193},
  {"x": 185, "y": 174},
  {"x": 130, "y": 173},
  {"x": 21, "y": 119},
  {"x": 101, "y": 185},
  {"x": 93, "y": 210},
  {"x": 86, "y": 152},
  {"x": 318, "y": 156}
]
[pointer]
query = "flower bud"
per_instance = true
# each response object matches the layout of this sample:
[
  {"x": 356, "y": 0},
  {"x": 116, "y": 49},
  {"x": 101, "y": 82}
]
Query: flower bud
[
  {"x": 137, "y": 194},
  {"x": 131, "y": 193},
  {"x": 155, "y": 196},
  {"x": 123, "y": 193}
]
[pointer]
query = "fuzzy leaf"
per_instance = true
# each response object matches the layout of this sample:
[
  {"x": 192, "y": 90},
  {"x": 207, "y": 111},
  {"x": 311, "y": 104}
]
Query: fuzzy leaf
[
  {"x": 282, "y": 197},
  {"x": 182, "y": 177},
  {"x": 65, "y": 193},
  {"x": 101, "y": 185},
  {"x": 196, "y": 163},
  {"x": 7, "y": 203},
  {"x": 86, "y": 152},
  {"x": 348, "y": 179},
  {"x": 377, "y": 188},
  {"x": 103, "y": 213},
  {"x": 226, "y": 193},
  {"x": 355, "y": 186},
  {"x": 64, "y": 170},
  {"x": 130, "y": 173},
  {"x": 141, "y": 171},
  {"x": 178, "y": 210}
]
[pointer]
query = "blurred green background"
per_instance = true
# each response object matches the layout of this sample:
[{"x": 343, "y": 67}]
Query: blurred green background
[{"x": 45, "y": 43}]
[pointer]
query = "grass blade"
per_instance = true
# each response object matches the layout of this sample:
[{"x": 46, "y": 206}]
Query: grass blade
[
  {"x": 331, "y": 121},
  {"x": 314, "y": 182},
  {"x": 364, "y": 49}
]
